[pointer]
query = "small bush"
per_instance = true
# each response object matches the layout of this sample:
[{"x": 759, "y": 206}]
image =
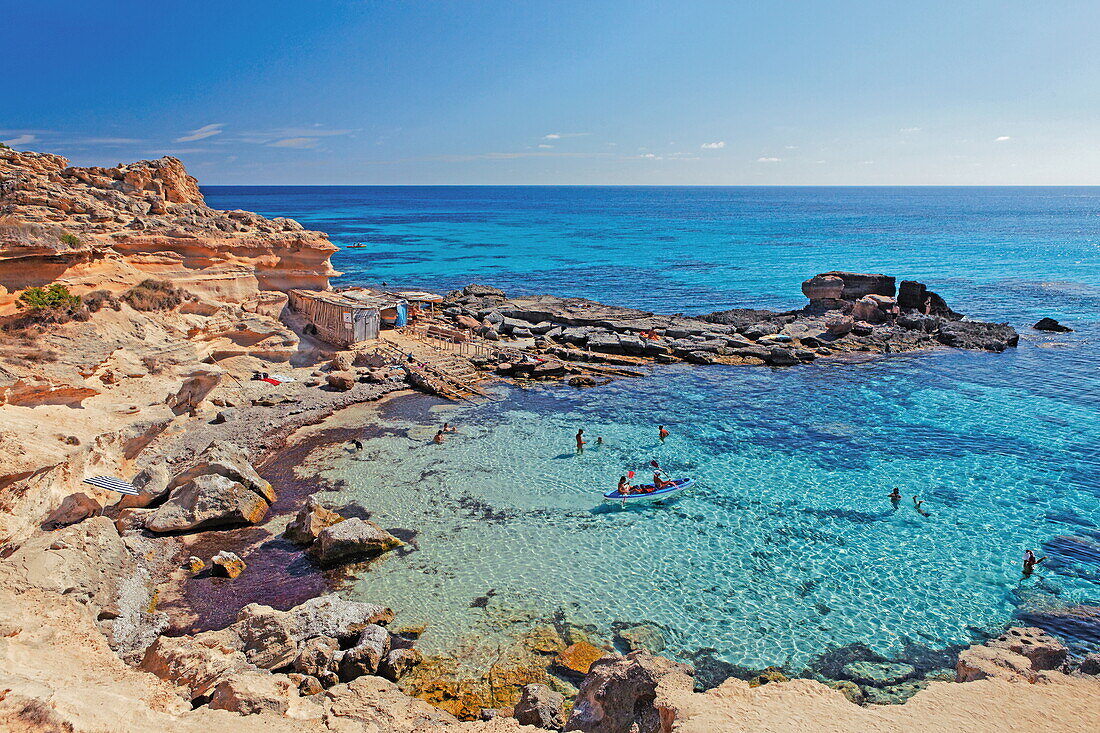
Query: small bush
[
  {"x": 5, "y": 147},
  {"x": 70, "y": 239},
  {"x": 154, "y": 295},
  {"x": 54, "y": 296},
  {"x": 99, "y": 299}
]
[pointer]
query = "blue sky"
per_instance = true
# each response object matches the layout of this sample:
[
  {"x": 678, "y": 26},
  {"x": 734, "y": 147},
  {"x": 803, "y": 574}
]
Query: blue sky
[{"x": 762, "y": 92}]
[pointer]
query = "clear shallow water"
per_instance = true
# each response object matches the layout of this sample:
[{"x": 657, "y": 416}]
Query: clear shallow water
[{"x": 788, "y": 547}]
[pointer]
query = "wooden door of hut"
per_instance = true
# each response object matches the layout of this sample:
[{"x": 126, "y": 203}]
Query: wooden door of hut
[{"x": 365, "y": 324}]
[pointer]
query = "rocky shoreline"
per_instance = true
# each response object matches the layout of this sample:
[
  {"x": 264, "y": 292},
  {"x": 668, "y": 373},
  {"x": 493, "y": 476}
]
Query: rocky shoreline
[{"x": 194, "y": 605}]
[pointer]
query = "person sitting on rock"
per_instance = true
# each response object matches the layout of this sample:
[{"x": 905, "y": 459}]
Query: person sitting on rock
[{"x": 1030, "y": 561}]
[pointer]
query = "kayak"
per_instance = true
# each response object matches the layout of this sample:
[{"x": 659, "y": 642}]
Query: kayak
[{"x": 677, "y": 484}]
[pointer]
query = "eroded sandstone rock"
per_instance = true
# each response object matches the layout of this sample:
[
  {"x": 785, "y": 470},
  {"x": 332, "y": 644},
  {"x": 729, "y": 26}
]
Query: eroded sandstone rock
[
  {"x": 619, "y": 694},
  {"x": 227, "y": 563},
  {"x": 310, "y": 520},
  {"x": 541, "y": 707},
  {"x": 208, "y": 501}
]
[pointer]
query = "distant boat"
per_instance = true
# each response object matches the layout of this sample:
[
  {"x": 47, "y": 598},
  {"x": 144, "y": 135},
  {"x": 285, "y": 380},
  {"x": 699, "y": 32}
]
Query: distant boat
[{"x": 357, "y": 245}]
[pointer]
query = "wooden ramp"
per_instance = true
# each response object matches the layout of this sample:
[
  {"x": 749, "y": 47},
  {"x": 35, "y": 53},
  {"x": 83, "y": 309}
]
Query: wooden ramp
[{"x": 433, "y": 370}]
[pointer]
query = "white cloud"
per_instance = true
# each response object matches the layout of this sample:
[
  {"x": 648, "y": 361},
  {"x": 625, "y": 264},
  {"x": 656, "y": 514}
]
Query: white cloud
[
  {"x": 765, "y": 159},
  {"x": 713, "y": 146},
  {"x": 202, "y": 133},
  {"x": 909, "y": 129},
  {"x": 544, "y": 145},
  {"x": 560, "y": 135},
  {"x": 20, "y": 140},
  {"x": 1002, "y": 139},
  {"x": 866, "y": 162},
  {"x": 790, "y": 147},
  {"x": 295, "y": 142}
]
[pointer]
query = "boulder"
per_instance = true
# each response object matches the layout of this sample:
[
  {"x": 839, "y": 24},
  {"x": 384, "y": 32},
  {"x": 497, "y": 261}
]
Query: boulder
[
  {"x": 225, "y": 415},
  {"x": 74, "y": 508},
  {"x": 351, "y": 540},
  {"x": 839, "y": 325},
  {"x": 1049, "y": 324},
  {"x": 311, "y": 519},
  {"x": 467, "y": 322},
  {"x": 541, "y": 707},
  {"x": 619, "y": 694},
  {"x": 268, "y": 639},
  {"x": 226, "y": 459},
  {"x": 195, "y": 564},
  {"x": 582, "y": 380},
  {"x": 152, "y": 483},
  {"x": 823, "y": 287},
  {"x": 1044, "y": 651},
  {"x": 132, "y": 519},
  {"x": 193, "y": 663},
  {"x": 340, "y": 381},
  {"x": 316, "y": 656},
  {"x": 857, "y": 285},
  {"x": 872, "y": 309},
  {"x": 1090, "y": 664},
  {"x": 548, "y": 370},
  {"x": 367, "y": 654},
  {"x": 333, "y": 616},
  {"x": 579, "y": 657},
  {"x": 769, "y": 675},
  {"x": 307, "y": 684},
  {"x": 251, "y": 693},
  {"x": 376, "y": 704},
  {"x": 398, "y": 662},
  {"x": 342, "y": 362},
  {"x": 208, "y": 501},
  {"x": 227, "y": 563},
  {"x": 914, "y": 296},
  {"x": 482, "y": 291}
]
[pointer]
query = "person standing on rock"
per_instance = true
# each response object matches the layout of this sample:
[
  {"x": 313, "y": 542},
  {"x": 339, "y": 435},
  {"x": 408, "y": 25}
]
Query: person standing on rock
[
  {"x": 662, "y": 432},
  {"x": 580, "y": 441}
]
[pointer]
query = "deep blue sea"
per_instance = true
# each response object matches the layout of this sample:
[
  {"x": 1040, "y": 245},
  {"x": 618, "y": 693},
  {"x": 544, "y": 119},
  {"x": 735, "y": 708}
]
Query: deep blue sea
[{"x": 788, "y": 549}]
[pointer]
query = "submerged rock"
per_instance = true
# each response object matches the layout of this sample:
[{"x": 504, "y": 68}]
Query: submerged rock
[
  {"x": 643, "y": 636},
  {"x": 579, "y": 657},
  {"x": 878, "y": 674},
  {"x": 351, "y": 540}
]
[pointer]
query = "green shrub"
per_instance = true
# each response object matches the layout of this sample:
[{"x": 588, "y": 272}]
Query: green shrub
[
  {"x": 70, "y": 239},
  {"x": 154, "y": 295},
  {"x": 5, "y": 147},
  {"x": 54, "y": 296}
]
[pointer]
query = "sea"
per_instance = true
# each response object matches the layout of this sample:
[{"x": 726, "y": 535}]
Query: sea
[{"x": 787, "y": 551}]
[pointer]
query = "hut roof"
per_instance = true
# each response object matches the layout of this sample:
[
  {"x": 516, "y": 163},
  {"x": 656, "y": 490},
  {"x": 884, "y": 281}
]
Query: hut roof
[{"x": 352, "y": 298}]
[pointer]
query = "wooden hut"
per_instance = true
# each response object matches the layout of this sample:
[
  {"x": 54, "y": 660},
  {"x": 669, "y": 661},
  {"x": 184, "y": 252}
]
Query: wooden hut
[{"x": 346, "y": 317}]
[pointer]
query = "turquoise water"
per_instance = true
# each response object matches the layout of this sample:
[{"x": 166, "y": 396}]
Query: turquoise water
[{"x": 788, "y": 548}]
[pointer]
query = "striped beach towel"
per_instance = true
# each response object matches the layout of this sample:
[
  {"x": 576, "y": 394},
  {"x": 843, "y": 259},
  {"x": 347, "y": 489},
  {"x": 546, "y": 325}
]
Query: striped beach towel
[{"x": 113, "y": 484}]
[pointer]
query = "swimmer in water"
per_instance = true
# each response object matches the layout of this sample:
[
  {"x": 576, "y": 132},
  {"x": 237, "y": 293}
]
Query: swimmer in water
[
  {"x": 917, "y": 504},
  {"x": 662, "y": 432},
  {"x": 599, "y": 440},
  {"x": 1030, "y": 561},
  {"x": 580, "y": 441},
  {"x": 438, "y": 439},
  {"x": 448, "y": 428},
  {"x": 895, "y": 496}
]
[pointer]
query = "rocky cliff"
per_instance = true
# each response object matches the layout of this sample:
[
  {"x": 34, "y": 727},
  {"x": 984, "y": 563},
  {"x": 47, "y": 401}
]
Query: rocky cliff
[{"x": 108, "y": 227}]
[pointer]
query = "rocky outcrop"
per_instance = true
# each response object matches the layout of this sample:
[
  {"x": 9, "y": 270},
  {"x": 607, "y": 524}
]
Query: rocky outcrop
[
  {"x": 1049, "y": 324},
  {"x": 139, "y": 220},
  {"x": 620, "y": 694},
  {"x": 1018, "y": 655}
]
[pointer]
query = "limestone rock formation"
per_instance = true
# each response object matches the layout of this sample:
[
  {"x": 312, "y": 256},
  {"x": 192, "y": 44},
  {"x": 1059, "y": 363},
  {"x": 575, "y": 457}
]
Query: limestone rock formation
[
  {"x": 205, "y": 502},
  {"x": 227, "y": 563},
  {"x": 143, "y": 219}
]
